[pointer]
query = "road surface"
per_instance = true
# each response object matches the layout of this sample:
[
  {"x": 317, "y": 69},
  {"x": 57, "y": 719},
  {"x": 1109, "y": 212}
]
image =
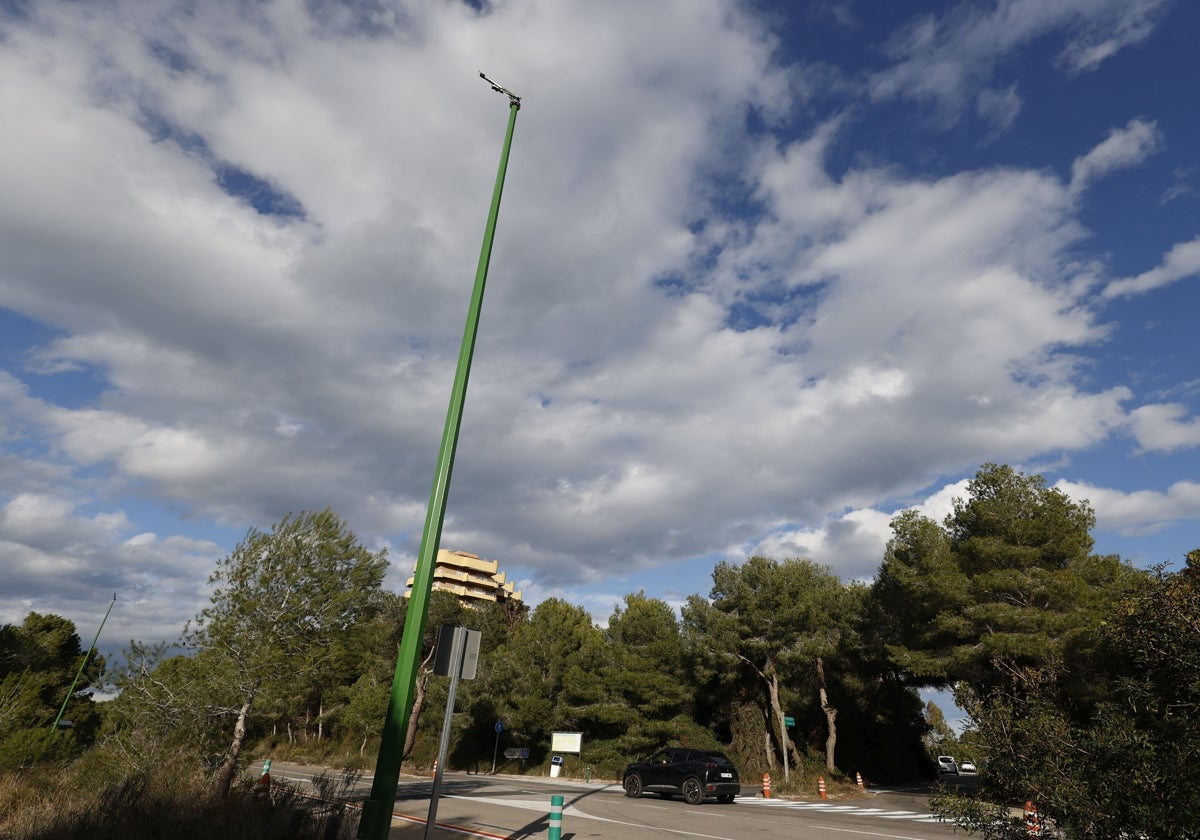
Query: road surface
[{"x": 517, "y": 807}]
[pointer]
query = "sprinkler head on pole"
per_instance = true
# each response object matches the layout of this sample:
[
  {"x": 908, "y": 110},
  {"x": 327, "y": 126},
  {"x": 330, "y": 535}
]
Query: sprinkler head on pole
[{"x": 512, "y": 97}]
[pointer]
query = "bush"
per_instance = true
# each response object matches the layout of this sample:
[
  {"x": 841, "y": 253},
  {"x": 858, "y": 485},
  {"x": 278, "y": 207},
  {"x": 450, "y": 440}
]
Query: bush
[{"x": 83, "y": 801}]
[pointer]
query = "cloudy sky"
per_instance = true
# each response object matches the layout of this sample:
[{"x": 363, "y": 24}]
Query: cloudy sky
[{"x": 765, "y": 274}]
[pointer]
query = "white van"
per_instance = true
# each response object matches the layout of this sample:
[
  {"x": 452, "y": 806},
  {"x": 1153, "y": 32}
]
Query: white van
[{"x": 947, "y": 764}]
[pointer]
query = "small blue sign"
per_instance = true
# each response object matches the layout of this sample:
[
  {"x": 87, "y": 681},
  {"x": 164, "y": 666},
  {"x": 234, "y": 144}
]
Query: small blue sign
[{"x": 499, "y": 727}]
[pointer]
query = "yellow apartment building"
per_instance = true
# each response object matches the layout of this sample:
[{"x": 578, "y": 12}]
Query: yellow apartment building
[{"x": 474, "y": 580}]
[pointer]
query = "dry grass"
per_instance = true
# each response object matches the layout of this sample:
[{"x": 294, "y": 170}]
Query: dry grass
[{"x": 81, "y": 801}]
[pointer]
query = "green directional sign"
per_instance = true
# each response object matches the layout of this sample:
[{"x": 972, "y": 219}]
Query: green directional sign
[{"x": 788, "y": 720}]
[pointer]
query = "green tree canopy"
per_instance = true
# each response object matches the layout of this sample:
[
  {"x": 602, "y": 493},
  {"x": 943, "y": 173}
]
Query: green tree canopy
[
  {"x": 647, "y": 671},
  {"x": 767, "y": 626},
  {"x": 38, "y": 661},
  {"x": 164, "y": 706},
  {"x": 1112, "y": 763},
  {"x": 1008, "y": 577},
  {"x": 283, "y": 607},
  {"x": 552, "y": 673}
]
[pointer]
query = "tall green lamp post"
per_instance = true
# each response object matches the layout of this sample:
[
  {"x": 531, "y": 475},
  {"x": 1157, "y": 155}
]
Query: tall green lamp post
[
  {"x": 82, "y": 665},
  {"x": 377, "y": 810}
]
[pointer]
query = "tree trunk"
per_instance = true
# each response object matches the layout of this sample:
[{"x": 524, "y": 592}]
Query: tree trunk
[
  {"x": 776, "y": 713},
  {"x": 321, "y": 720},
  {"x": 775, "y": 717},
  {"x": 229, "y": 766},
  {"x": 830, "y": 718},
  {"x": 776, "y": 727},
  {"x": 410, "y": 737}
]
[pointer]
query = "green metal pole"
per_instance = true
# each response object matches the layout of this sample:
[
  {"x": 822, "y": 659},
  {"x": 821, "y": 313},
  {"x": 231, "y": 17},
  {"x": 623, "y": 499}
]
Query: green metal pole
[
  {"x": 71, "y": 690},
  {"x": 376, "y": 818}
]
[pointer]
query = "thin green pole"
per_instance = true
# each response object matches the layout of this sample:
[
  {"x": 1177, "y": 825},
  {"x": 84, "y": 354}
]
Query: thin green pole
[
  {"x": 377, "y": 810},
  {"x": 71, "y": 690}
]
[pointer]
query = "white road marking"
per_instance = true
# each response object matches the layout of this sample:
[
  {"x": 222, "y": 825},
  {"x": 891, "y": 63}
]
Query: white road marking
[{"x": 831, "y": 808}]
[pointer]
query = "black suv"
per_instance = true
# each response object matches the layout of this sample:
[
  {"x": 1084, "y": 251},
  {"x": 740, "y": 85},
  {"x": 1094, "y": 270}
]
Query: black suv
[{"x": 678, "y": 771}]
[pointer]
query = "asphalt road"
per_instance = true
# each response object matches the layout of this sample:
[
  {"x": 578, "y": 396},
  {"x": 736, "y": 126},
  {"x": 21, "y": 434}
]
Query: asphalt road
[{"x": 517, "y": 807}]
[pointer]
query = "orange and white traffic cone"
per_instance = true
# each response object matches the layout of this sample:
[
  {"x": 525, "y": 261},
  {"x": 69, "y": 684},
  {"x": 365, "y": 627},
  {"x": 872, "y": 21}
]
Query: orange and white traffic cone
[
  {"x": 858, "y": 777},
  {"x": 434, "y": 773},
  {"x": 1033, "y": 823},
  {"x": 766, "y": 785},
  {"x": 821, "y": 786}
]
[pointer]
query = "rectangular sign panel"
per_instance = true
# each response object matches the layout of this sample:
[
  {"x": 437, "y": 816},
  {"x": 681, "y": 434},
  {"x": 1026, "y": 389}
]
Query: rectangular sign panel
[
  {"x": 470, "y": 662},
  {"x": 445, "y": 650},
  {"x": 451, "y": 638},
  {"x": 568, "y": 742}
]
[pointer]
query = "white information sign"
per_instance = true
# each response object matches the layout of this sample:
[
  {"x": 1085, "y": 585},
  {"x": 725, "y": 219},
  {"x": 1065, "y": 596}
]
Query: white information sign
[{"x": 568, "y": 742}]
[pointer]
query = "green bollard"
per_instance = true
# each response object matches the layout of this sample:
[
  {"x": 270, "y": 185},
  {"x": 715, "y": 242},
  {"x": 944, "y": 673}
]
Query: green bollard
[
  {"x": 556, "y": 803},
  {"x": 587, "y": 773}
]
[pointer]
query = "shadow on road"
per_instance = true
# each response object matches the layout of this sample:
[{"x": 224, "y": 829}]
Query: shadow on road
[{"x": 419, "y": 791}]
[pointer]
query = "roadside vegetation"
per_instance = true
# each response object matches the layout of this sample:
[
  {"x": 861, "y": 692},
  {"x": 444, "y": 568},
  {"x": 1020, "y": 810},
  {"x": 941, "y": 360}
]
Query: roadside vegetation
[
  {"x": 1081, "y": 675},
  {"x": 86, "y": 800}
]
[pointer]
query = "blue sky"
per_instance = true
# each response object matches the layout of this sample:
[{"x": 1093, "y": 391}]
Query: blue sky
[{"x": 765, "y": 274}]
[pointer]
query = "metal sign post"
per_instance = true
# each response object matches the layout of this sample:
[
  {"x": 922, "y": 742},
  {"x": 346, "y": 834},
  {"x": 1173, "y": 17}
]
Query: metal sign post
[
  {"x": 456, "y": 642},
  {"x": 496, "y": 749}
]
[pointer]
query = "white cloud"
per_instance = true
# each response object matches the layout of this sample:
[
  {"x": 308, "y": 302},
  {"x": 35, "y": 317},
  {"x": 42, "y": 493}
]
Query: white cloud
[
  {"x": 60, "y": 559},
  {"x": 1162, "y": 428},
  {"x": 998, "y": 107},
  {"x": 947, "y": 59},
  {"x": 696, "y": 332},
  {"x": 48, "y": 521},
  {"x": 254, "y": 364},
  {"x": 940, "y": 504},
  {"x": 852, "y": 543},
  {"x": 1181, "y": 262},
  {"x": 1122, "y": 147},
  {"x": 937, "y": 329},
  {"x": 1107, "y": 28},
  {"x": 1139, "y": 512},
  {"x": 1181, "y": 186}
]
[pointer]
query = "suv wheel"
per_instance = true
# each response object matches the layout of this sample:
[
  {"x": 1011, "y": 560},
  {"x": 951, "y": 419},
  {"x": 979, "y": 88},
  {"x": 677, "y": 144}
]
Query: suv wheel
[
  {"x": 633, "y": 786},
  {"x": 693, "y": 792}
]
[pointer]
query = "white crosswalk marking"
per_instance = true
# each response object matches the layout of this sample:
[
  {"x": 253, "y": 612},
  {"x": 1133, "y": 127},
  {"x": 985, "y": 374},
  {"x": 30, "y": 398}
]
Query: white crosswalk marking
[{"x": 832, "y": 808}]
